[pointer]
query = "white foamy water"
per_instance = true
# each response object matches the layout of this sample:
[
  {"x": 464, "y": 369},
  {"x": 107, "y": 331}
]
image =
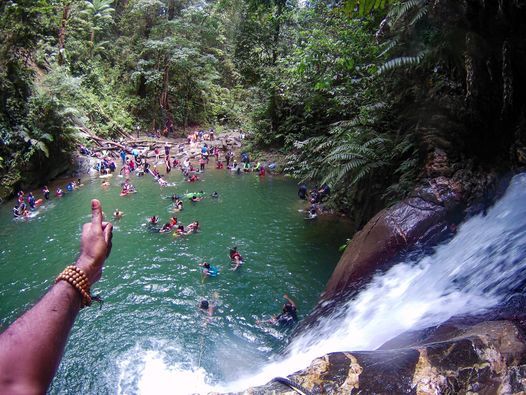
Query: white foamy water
[
  {"x": 477, "y": 269},
  {"x": 145, "y": 370}
]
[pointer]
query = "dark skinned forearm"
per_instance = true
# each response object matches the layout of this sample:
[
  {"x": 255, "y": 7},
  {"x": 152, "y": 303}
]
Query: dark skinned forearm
[{"x": 33, "y": 345}]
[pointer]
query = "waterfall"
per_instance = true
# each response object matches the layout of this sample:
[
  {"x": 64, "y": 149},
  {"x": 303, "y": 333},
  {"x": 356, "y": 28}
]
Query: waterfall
[{"x": 477, "y": 269}]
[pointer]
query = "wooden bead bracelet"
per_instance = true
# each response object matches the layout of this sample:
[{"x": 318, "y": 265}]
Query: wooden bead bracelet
[{"x": 78, "y": 279}]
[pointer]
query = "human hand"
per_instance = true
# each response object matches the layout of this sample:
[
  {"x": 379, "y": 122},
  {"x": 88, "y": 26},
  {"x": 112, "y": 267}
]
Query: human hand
[{"x": 95, "y": 243}]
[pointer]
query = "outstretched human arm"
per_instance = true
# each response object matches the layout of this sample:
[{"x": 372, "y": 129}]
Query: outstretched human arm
[
  {"x": 31, "y": 348},
  {"x": 289, "y": 300}
]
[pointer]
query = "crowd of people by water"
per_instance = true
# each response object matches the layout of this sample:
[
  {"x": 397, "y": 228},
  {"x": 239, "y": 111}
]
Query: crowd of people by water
[
  {"x": 315, "y": 198},
  {"x": 26, "y": 205},
  {"x": 138, "y": 161},
  {"x": 37, "y": 330}
]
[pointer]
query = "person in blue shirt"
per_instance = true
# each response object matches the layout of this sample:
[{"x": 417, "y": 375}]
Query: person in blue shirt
[
  {"x": 123, "y": 156},
  {"x": 31, "y": 201},
  {"x": 302, "y": 191}
]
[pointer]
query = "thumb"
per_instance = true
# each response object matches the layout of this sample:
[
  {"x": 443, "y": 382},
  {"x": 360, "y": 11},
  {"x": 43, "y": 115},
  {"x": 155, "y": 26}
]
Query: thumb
[{"x": 96, "y": 214}]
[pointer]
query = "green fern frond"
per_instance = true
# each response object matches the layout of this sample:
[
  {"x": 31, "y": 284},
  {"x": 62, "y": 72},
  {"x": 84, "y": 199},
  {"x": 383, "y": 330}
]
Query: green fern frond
[
  {"x": 402, "y": 61},
  {"x": 419, "y": 15},
  {"x": 400, "y": 10},
  {"x": 360, "y": 175},
  {"x": 389, "y": 46},
  {"x": 377, "y": 141}
]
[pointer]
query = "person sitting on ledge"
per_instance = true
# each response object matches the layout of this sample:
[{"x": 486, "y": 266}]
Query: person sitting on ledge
[{"x": 31, "y": 347}]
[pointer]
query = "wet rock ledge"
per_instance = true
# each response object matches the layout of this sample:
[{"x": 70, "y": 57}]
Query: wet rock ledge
[{"x": 487, "y": 358}]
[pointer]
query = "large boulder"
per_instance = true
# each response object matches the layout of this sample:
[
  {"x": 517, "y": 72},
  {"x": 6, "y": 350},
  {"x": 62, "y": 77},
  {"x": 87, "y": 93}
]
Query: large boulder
[
  {"x": 446, "y": 196},
  {"x": 424, "y": 217},
  {"x": 487, "y": 357}
]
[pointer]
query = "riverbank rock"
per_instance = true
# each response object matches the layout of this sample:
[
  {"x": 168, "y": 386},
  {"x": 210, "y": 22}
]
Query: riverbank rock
[
  {"x": 423, "y": 217},
  {"x": 487, "y": 358},
  {"x": 429, "y": 215}
]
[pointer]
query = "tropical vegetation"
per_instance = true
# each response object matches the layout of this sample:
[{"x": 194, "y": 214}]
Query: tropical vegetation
[{"x": 355, "y": 93}]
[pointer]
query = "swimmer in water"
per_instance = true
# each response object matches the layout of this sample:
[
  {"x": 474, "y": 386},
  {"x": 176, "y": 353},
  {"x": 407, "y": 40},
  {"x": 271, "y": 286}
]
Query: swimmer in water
[
  {"x": 31, "y": 201},
  {"x": 207, "y": 307},
  {"x": 236, "y": 258},
  {"x": 153, "y": 220},
  {"x": 206, "y": 268},
  {"x": 45, "y": 190},
  {"x": 192, "y": 227},
  {"x": 166, "y": 228},
  {"x": 178, "y": 205},
  {"x": 169, "y": 225},
  {"x": 105, "y": 184},
  {"x": 118, "y": 214},
  {"x": 313, "y": 212},
  {"x": 215, "y": 195},
  {"x": 196, "y": 198},
  {"x": 288, "y": 315}
]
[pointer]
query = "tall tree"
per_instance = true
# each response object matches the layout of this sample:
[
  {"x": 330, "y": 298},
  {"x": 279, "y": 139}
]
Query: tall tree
[{"x": 100, "y": 14}]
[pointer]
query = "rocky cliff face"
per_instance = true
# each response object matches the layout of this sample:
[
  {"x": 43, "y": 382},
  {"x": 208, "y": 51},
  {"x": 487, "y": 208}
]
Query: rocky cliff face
[
  {"x": 488, "y": 132},
  {"x": 428, "y": 216}
]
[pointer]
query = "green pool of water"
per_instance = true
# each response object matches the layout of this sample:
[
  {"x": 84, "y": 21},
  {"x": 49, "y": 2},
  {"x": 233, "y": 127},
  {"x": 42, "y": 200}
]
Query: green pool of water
[{"x": 149, "y": 327}]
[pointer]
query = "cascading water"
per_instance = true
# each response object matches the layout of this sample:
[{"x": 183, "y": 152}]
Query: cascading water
[{"x": 483, "y": 264}]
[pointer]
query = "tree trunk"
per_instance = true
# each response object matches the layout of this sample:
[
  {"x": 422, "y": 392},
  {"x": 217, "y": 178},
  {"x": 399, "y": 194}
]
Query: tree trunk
[
  {"x": 171, "y": 9},
  {"x": 62, "y": 33},
  {"x": 163, "y": 100},
  {"x": 91, "y": 42},
  {"x": 277, "y": 29},
  {"x": 141, "y": 89},
  {"x": 273, "y": 105}
]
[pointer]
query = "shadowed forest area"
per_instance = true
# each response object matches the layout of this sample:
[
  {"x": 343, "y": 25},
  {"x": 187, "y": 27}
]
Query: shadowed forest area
[{"x": 360, "y": 94}]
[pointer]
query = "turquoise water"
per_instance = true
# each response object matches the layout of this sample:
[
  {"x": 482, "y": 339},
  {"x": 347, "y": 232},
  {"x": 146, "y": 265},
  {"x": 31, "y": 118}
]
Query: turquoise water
[{"x": 149, "y": 329}]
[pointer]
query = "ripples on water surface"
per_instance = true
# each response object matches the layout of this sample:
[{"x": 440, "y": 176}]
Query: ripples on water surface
[
  {"x": 483, "y": 265},
  {"x": 149, "y": 336}
]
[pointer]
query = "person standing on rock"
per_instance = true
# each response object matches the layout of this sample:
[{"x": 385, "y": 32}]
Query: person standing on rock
[
  {"x": 228, "y": 157},
  {"x": 302, "y": 191},
  {"x": 167, "y": 151},
  {"x": 46, "y": 192},
  {"x": 204, "y": 152},
  {"x": 123, "y": 156}
]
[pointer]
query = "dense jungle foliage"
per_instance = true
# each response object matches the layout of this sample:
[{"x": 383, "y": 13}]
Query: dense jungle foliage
[{"x": 356, "y": 93}]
